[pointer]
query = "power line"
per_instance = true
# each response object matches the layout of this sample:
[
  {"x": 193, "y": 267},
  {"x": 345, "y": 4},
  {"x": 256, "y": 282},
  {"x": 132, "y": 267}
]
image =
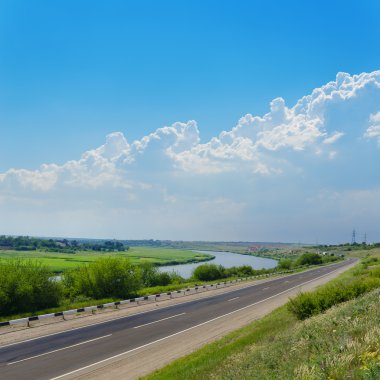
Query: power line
[{"x": 353, "y": 239}]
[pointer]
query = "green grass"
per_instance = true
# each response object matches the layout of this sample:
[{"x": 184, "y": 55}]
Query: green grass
[
  {"x": 342, "y": 343},
  {"x": 59, "y": 262},
  {"x": 67, "y": 305}
]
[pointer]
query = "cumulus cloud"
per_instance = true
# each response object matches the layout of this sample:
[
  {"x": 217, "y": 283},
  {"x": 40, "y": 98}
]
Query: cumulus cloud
[
  {"x": 309, "y": 144},
  {"x": 373, "y": 131}
]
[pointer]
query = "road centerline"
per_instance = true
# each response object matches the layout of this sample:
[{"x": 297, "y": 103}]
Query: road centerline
[
  {"x": 228, "y": 290},
  {"x": 160, "y": 320},
  {"x": 235, "y": 298},
  {"x": 191, "y": 328},
  {"x": 59, "y": 349}
]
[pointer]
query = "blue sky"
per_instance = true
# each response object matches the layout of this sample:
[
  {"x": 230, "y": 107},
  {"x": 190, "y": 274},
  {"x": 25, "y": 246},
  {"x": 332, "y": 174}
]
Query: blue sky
[{"x": 73, "y": 72}]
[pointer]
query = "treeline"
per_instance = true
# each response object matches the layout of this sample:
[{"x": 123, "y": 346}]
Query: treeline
[
  {"x": 348, "y": 246},
  {"x": 26, "y": 243}
]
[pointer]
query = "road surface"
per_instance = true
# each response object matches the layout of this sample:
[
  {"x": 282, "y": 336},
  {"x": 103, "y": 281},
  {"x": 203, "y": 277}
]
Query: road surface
[{"x": 63, "y": 355}]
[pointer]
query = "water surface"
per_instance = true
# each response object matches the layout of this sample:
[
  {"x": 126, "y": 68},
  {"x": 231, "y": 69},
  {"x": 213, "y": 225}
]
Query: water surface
[{"x": 227, "y": 259}]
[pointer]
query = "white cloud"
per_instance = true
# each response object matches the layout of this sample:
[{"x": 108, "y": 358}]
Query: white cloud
[
  {"x": 373, "y": 131},
  {"x": 279, "y": 159},
  {"x": 333, "y": 138}
]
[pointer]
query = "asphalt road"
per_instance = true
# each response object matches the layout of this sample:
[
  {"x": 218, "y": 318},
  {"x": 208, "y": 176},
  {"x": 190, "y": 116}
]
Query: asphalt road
[{"x": 53, "y": 356}]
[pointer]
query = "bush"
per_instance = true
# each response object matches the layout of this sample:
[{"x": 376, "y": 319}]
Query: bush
[
  {"x": 242, "y": 271},
  {"x": 307, "y": 304},
  {"x": 329, "y": 259},
  {"x": 162, "y": 279},
  {"x": 148, "y": 274},
  {"x": 151, "y": 276},
  {"x": 105, "y": 277},
  {"x": 208, "y": 272},
  {"x": 285, "y": 264},
  {"x": 309, "y": 259},
  {"x": 26, "y": 286}
]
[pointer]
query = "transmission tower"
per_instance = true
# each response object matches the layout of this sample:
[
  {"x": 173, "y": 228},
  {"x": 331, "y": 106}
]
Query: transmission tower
[
  {"x": 365, "y": 238},
  {"x": 353, "y": 239}
]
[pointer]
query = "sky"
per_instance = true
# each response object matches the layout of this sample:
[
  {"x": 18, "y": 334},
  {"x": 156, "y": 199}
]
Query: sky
[{"x": 190, "y": 120}]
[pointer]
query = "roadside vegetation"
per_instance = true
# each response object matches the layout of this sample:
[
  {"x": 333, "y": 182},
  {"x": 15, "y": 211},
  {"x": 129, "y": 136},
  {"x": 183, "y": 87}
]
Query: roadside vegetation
[
  {"x": 26, "y": 286},
  {"x": 335, "y": 339},
  {"x": 29, "y": 287}
]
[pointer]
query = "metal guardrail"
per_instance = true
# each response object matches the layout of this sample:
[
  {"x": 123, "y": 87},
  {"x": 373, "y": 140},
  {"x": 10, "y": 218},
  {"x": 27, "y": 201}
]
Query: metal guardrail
[{"x": 135, "y": 301}]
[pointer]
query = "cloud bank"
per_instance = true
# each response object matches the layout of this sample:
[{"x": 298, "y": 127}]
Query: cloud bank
[{"x": 300, "y": 173}]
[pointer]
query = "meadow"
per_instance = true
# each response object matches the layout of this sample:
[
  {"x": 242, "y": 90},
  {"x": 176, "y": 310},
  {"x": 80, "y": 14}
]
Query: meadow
[{"x": 59, "y": 262}]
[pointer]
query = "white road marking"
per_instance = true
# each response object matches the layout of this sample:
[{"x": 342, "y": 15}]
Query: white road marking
[
  {"x": 60, "y": 349},
  {"x": 164, "y": 307},
  {"x": 235, "y": 298},
  {"x": 190, "y": 328},
  {"x": 163, "y": 319},
  {"x": 266, "y": 288},
  {"x": 142, "y": 312}
]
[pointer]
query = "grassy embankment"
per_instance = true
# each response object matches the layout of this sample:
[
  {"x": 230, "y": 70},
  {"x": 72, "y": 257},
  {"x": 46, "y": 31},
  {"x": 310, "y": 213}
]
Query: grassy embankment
[
  {"x": 59, "y": 262},
  {"x": 341, "y": 343}
]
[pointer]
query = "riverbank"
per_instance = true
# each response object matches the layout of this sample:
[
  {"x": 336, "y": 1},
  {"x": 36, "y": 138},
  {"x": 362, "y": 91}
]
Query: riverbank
[
  {"x": 59, "y": 262},
  {"x": 226, "y": 259}
]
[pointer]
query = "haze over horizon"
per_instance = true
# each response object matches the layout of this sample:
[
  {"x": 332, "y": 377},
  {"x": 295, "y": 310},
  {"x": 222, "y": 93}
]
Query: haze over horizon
[{"x": 187, "y": 122}]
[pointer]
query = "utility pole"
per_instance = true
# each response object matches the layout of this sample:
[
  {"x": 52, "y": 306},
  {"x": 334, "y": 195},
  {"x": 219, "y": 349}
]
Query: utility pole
[{"x": 353, "y": 239}]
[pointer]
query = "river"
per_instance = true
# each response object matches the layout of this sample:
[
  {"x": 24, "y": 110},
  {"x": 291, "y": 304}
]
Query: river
[{"x": 227, "y": 259}]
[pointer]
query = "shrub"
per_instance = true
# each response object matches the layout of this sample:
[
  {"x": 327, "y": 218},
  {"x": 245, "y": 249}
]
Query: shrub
[
  {"x": 151, "y": 276},
  {"x": 208, "y": 272},
  {"x": 285, "y": 264},
  {"x": 309, "y": 259},
  {"x": 26, "y": 286},
  {"x": 106, "y": 277},
  {"x": 242, "y": 271},
  {"x": 162, "y": 279},
  {"x": 307, "y": 304},
  {"x": 329, "y": 259},
  {"x": 148, "y": 274}
]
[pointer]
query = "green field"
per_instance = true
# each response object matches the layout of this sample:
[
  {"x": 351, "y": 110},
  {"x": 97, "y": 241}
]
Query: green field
[{"x": 58, "y": 262}]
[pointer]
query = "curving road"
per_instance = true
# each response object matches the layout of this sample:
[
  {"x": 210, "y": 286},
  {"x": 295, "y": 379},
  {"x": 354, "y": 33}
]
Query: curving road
[{"x": 65, "y": 353}]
